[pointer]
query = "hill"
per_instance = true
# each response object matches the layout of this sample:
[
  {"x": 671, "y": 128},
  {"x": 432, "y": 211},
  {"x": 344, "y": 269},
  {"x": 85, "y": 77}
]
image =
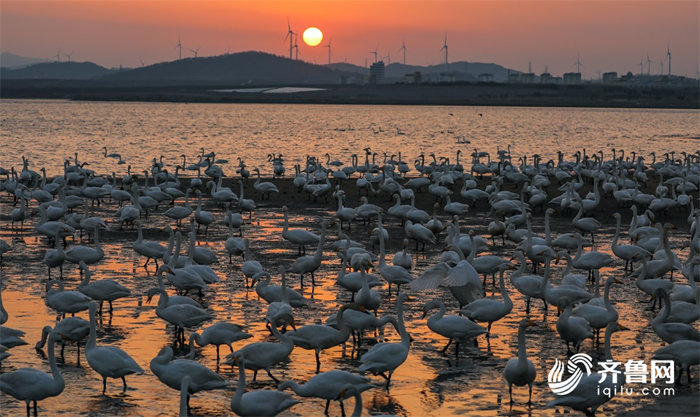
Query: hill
[
  {"x": 56, "y": 70},
  {"x": 10, "y": 60},
  {"x": 244, "y": 68}
]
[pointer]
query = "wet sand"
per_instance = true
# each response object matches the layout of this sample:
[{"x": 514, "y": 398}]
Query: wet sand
[{"x": 429, "y": 383}]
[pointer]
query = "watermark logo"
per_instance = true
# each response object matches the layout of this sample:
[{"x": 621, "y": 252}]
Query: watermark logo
[
  {"x": 576, "y": 362},
  {"x": 612, "y": 378}
]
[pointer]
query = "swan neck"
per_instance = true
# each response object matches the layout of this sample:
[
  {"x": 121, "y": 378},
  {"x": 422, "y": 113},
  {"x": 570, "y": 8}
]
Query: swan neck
[
  {"x": 58, "y": 380},
  {"x": 92, "y": 339},
  {"x": 522, "y": 351}
]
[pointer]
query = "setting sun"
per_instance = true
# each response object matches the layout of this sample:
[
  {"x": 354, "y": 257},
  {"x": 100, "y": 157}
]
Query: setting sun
[{"x": 313, "y": 36}]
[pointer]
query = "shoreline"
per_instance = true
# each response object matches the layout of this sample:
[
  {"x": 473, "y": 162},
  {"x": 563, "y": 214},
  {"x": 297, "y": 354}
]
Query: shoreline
[{"x": 467, "y": 94}]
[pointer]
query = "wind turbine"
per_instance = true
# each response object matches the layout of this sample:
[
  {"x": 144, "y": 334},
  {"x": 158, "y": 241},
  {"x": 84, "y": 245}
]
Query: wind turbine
[
  {"x": 578, "y": 64},
  {"x": 388, "y": 57},
  {"x": 290, "y": 34},
  {"x": 641, "y": 66},
  {"x": 58, "y": 55},
  {"x": 329, "y": 49},
  {"x": 375, "y": 53},
  {"x": 404, "y": 51},
  {"x": 668, "y": 54},
  {"x": 179, "y": 46},
  {"x": 69, "y": 55},
  {"x": 661, "y": 64},
  {"x": 296, "y": 47},
  {"x": 142, "y": 63},
  {"x": 649, "y": 62},
  {"x": 195, "y": 51},
  {"x": 445, "y": 48}
]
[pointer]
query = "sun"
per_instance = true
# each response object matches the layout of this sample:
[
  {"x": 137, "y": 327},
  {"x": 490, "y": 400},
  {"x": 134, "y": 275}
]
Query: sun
[{"x": 312, "y": 36}]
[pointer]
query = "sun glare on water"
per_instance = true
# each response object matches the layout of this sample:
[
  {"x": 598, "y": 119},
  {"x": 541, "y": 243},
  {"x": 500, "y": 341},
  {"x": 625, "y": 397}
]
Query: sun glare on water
[{"x": 313, "y": 36}]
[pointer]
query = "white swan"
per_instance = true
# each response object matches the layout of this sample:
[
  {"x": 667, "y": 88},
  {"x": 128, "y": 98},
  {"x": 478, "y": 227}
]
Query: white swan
[
  {"x": 171, "y": 373},
  {"x": 108, "y": 361},
  {"x": 328, "y": 386},
  {"x": 684, "y": 353},
  {"x": 671, "y": 332},
  {"x": 265, "y": 355},
  {"x": 249, "y": 267},
  {"x": 71, "y": 329},
  {"x": 309, "y": 264},
  {"x": 264, "y": 187},
  {"x": 596, "y": 316},
  {"x": 202, "y": 217},
  {"x": 179, "y": 315},
  {"x": 151, "y": 250},
  {"x": 246, "y": 204},
  {"x": 490, "y": 310},
  {"x": 65, "y": 301},
  {"x": 393, "y": 274},
  {"x": 86, "y": 254},
  {"x": 55, "y": 258},
  {"x": 221, "y": 333},
  {"x": 403, "y": 258},
  {"x": 521, "y": 371},
  {"x": 383, "y": 358},
  {"x": 628, "y": 253},
  {"x": 573, "y": 330},
  {"x": 455, "y": 328},
  {"x": 298, "y": 237},
  {"x": 259, "y": 402},
  {"x": 102, "y": 290},
  {"x": 32, "y": 385},
  {"x": 179, "y": 213}
]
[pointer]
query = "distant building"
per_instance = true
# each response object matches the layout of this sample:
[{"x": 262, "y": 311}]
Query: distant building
[
  {"x": 376, "y": 73},
  {"x": 486, "y": 77},
  {"x": 572, "y": 78},
  {"x": 527, "y": 78},
  {"x": 413, "y": 78},
  {"x": 443, "y": 77},
  {"x": 545, "y": 78},
  {"x": 610, "y": 77},
  {"x": 513, "y": 78}
]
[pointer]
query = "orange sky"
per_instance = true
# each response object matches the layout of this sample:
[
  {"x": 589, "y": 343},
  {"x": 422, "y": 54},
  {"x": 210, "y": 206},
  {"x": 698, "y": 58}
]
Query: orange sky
[{"x": 608, "y": 35}]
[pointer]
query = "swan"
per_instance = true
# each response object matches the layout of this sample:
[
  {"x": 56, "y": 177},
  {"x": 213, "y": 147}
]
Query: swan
[
  {"x": 298, "y": 237},
  {"x": 204, "y": 271},
  {"x": 151, "y": 250},
  {"x": 329, "y": 386},
  {"x": 554, "y": 295},
  {"x": 497, "y": 228},
  {"x": 283, "y": 306},
  {"x": 103, "y": 290},
  {"x": 352, "y": 281},
  {"x": 627, "y": 253},
  {"x": 585, "y": 224},
  {"x": 65, "y": 301},
  {"x": 220, "y": 194},
  {"x": 486, "y": 264},
  {"x": 490, "y": 310},
  {"x": 246, "y": 204},
  {"x": 521, "y": 371},
  {"x": 179, "y": 315},
  {"x": 73, "y": 329},
  {"x": 455, "y": 208},
  {"x": 567, "y": 278},
  {"x": 172, "y": 372},
  {"x": 32, "y": 385},
  {"x": 273, "y": 293},
  {"x": 345, "y": 214},
  {"x": 319, "y": 337},
  {"x": 682, "y": 352},
  {"x": 221, "y": 333},
  {"x": 55, "y": 258},
  {"x": 366, "y": 211},
  {"x": 403, "y": 258},
  {"x": 573, "y": 330},
  {"x": 419, "y": 233},
  {"x": 264, "y": 187},
  {"x": 658, "y": 267},
  {"x": 265, "y": 355},
  {"x": 86, "y": 254},
  {"x": 179, "y": 213},
  {"x": 596, "y": 316},
  {"x": 590, "y": 260},
  {"x": 434, "y": 224},
  {"x": 671, "y": 332},
  {"x": 234, "y": 220},
  {"x": 383, "y": 358},
  {"x": 416, "y": 215},
  {"x": 234, "y": 245},
  {"x": 309, "y": 264},
  {"x": 455, "y": 328},
  {"x": 590, "y": 393},
  {"x": 650, "y": 285},
  {"x": 108, "y": 361},
  {"x": 368, "y": 298},
  {"x": 182, "y": 278},
  {"x": 259, "y": 402},
  {"x": 185, "y": 396},
  {"x": 202, "y": 217},
  {"x": 527, "y": 285},
  {"x": 391, "y": 273}
]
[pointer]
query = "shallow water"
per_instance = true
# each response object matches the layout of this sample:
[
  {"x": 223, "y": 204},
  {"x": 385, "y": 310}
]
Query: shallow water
[{"x": 429, "y": 383}]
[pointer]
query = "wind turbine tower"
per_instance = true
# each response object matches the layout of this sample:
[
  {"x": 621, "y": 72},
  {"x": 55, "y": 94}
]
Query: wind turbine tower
[
  {"x": 445, "y": 48},
  {"x": 641, "y": 66},
  {"x": 179, "y": 47},
  {"x": 68, "y": 56},
  {"x": 649, "y": 62},
  {"x": 388, "y": 57},
  {"x": 404, "y": 51},
  {"x": 296, "y": 47},
  {"x": 375, "y": 53},
  {"x": 578, "y": 64},
  {"x": 329, "y": 49},
  {"x": 668, "y": 54},
  {"x": 290, "y": 34},
  {"x": 58, "y": 55}
]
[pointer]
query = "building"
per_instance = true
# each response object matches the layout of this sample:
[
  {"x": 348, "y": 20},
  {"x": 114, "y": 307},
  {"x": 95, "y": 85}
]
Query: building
[
  {"x": 545, "y": 78},
  {"x": 412, "y": 78},
  {"x": 513, "y": 78},
  {"x": 486, "y": 77},
  {"x": 610, "y": 77},
  {"x": 527, "y": 78},
  {"x": 376, "y": 73},
  {"x": 572, "y": 78}
]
